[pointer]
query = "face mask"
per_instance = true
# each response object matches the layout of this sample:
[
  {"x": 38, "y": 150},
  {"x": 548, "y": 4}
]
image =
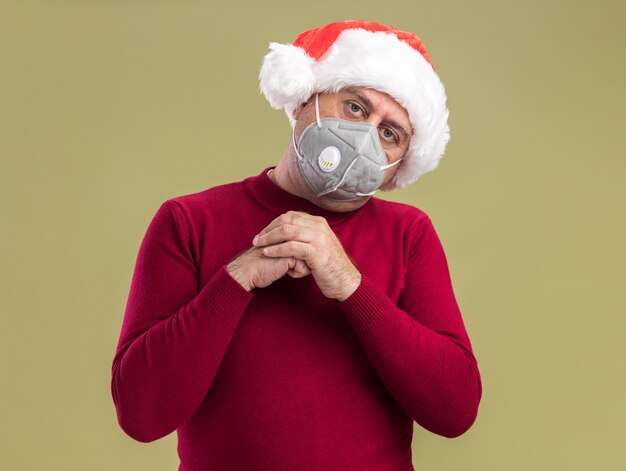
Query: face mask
[{"x": 341, "y": 160}]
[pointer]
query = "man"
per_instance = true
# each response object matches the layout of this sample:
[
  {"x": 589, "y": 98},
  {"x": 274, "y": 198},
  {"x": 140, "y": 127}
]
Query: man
[{"x": 292, "y": 320}]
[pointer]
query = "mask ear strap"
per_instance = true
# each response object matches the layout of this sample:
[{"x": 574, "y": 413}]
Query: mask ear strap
[
  {"x": 383, "y": 167},
  {"x": 317, "y": 112},
  {"x": 295, "y": 147},
  {"x": 319, "y": 124}
]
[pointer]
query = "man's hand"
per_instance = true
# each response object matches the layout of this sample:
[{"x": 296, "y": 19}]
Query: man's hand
[
  {"x": 310, "y": 239},
  {"x": 252, "y": 269}
]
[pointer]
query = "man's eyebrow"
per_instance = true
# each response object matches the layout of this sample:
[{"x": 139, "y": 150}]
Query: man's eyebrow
[
  {"x": 394, "y": 124},
  {"x": 361, "y": 97}
]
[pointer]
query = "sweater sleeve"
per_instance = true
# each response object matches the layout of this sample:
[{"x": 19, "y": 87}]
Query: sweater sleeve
[
  {"x": 174, "y": 335},
  {"x": 420, "y": 347}
]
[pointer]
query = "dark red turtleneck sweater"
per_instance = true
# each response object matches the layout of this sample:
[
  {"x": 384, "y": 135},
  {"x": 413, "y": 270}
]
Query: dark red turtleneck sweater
[{"x": 283, "y": 378}]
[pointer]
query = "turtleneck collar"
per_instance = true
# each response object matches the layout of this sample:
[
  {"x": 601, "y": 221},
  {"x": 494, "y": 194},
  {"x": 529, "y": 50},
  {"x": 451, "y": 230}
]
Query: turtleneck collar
[{"x": 272, "y": 197}]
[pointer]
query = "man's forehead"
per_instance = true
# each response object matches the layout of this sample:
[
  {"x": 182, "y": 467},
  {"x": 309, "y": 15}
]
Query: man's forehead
[{"x": 367, "y": 92}]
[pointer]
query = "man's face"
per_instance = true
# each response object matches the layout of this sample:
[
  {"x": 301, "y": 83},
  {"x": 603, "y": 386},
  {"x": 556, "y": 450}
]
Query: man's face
[{"x": 364, "y": 105}]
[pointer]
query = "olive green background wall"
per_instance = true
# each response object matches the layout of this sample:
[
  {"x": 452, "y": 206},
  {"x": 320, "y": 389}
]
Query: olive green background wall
[{"x": 109, "y": 108}]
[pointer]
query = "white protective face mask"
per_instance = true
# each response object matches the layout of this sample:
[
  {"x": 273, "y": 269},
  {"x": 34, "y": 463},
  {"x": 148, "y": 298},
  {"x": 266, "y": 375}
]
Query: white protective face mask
[{"x": 341, "y": 160}]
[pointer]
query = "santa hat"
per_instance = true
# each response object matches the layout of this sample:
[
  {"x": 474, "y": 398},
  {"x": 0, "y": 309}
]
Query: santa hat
[{"x": 365, "y": 54}]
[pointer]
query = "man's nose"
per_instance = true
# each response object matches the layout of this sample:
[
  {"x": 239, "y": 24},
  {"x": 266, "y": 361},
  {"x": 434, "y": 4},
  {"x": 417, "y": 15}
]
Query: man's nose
[{"x": 373, "y": 119}]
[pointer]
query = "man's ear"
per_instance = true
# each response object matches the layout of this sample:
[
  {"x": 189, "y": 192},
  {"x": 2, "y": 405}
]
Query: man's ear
[{"x": 296, "y": 112}]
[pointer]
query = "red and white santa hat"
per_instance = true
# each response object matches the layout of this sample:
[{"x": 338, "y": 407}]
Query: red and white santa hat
[{"x": 365, "y": 54}]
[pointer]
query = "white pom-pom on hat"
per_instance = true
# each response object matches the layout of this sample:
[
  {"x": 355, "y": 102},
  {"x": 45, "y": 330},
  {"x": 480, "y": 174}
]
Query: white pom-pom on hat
[
  {"x": 372, "y": 55},
  {"x": 287, "y": 75}
]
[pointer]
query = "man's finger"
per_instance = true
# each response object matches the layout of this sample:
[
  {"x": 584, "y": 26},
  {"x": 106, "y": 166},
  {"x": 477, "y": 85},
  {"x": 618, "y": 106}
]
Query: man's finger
[
  {"x": 292, "y": 248},
  {"x": 302, "y": 267},
  {"x": 292, "y": 217},
  {"x": 300, "y": 270},
  {"x": 284, "y": 233}
]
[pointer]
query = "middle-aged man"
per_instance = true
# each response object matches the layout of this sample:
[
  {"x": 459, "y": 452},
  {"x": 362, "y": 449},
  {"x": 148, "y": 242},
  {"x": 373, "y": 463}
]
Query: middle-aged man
[{"x": 291, "y": 320}]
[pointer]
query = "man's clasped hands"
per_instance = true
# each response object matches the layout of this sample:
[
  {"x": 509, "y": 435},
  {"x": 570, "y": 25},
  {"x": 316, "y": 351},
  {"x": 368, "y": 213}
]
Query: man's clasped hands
[{"x": 297, "y": 244}]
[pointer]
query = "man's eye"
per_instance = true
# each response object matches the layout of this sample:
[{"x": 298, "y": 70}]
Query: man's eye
[
  {"x": 354, "y": 108},
  {"x": 388, "y": 134}
]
